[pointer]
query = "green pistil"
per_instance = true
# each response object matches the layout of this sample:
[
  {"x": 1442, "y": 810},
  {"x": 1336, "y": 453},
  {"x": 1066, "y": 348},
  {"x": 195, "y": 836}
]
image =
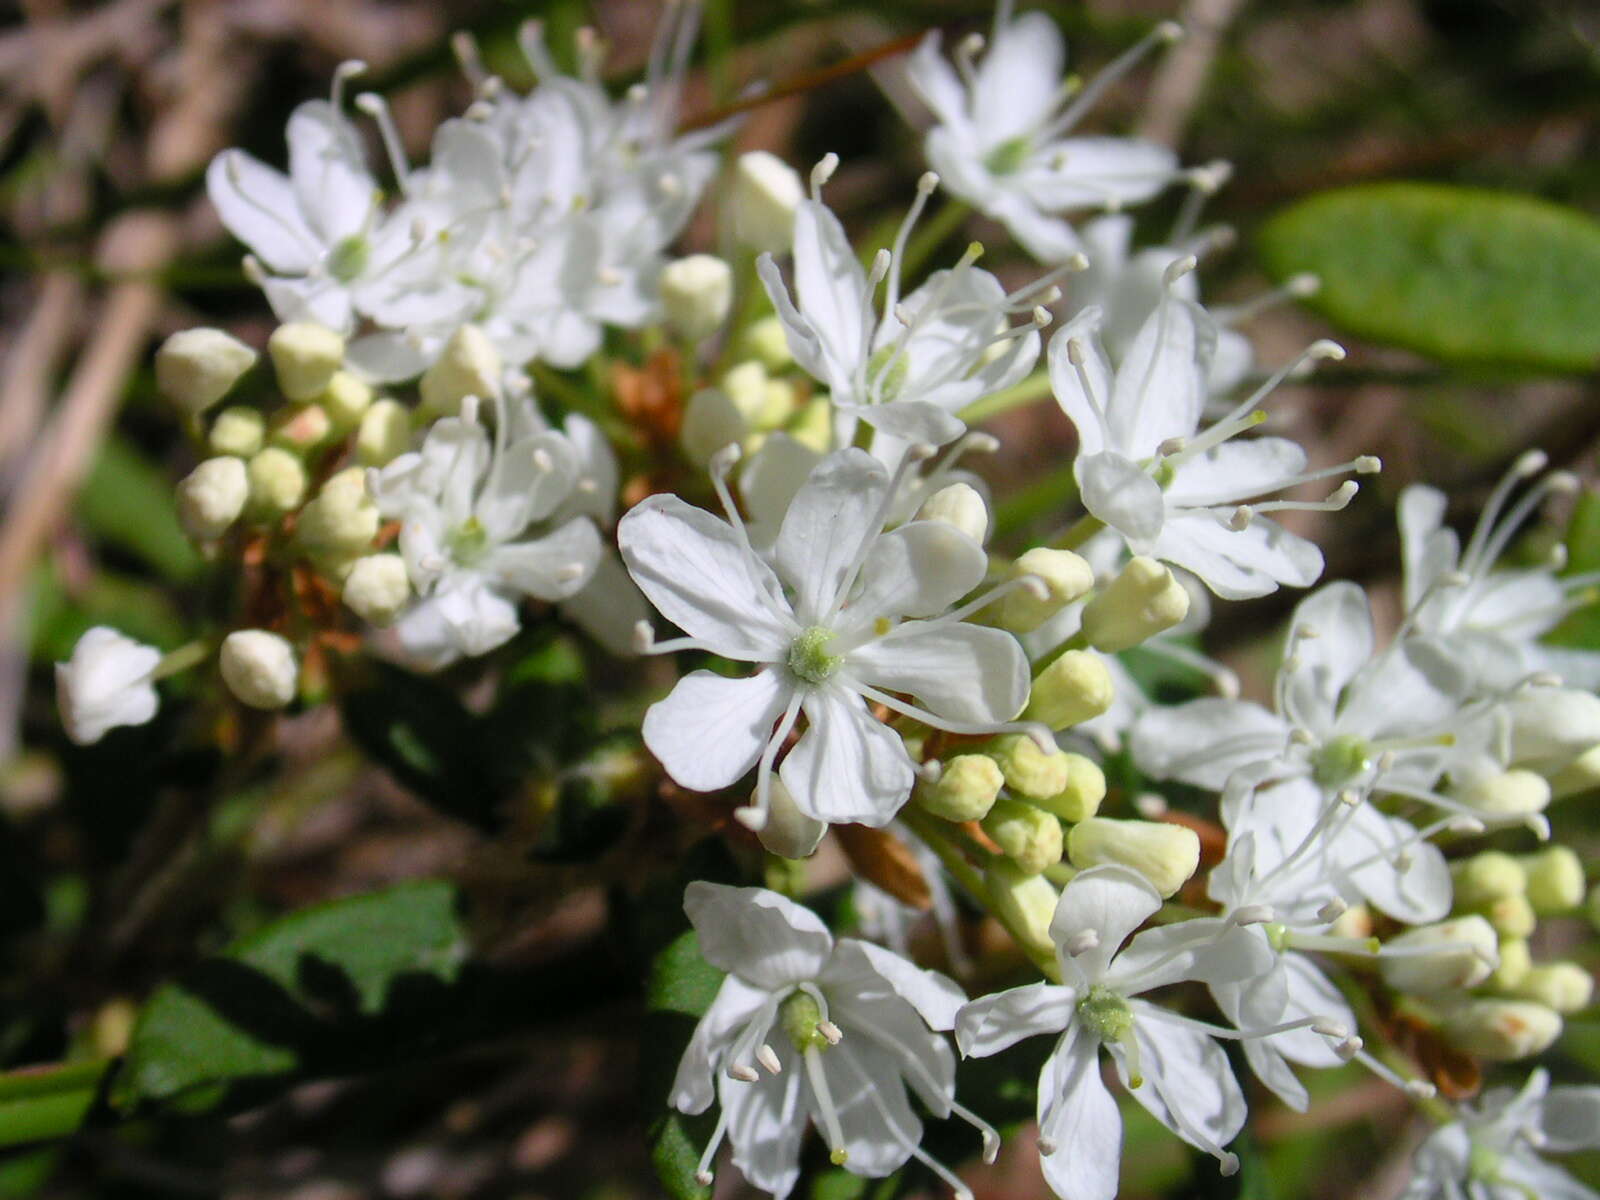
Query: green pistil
[
  {"x": 1340, "y": 760},
  {"x": 469, "y": 541},
  {"x": 1106, "y": 1014},
  {"x": 1164, "y": 474},
  {"x": 799, "y": 1016},
  {"x": 809, "y": 659},
  {"x": 887, "y": 379},
  {"x": 349, "y": 257},
  {"x": 1009, "y": 155}
]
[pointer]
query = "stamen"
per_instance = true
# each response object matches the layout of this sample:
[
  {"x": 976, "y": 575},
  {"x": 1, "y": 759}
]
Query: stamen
[
  {"x": 348, "y": 69},
  {"x": 768, "y": 1058},
  {"x": 702, "y": 1171},
  {"x": 377, "y": 108},
  {"x": 465, "y": 47},
  {"x": 833, "y": 1133},
  {"x": 966, "y": 52},
  {"x": 821, "y": 173},
  {"x": 1082, "y": 942},
  {"x": 1040, "y": 734},
  {"x": 530, "y": 40},
  {"x": 927, "y": 184},
  {"x": 1163, "y": 34}
]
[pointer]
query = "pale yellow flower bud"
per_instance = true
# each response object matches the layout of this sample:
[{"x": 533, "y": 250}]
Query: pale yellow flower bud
[
  {"x": 1515, "y": 961},
  {"x": 1512, "y": 916},
  {"x": 1502, "y": 1030},
  {"x": 1563, "y": 986},
  {"x": 1142, "y": 601},
  {"x": 1487, "y": 877},
  {"x": 1447, "y": 956},
  {"x": 300, "y": 430},
  {"x": 767, "y": 341},
  {"x": 696, "y": 293},
  {"x": 960, "y": 505},
  {"x": 377, "y": 587},
  {"x": 1580, "y": 775},
  {"x": 1029, "y": 771},
  {"x": 344, "y": 400},
  {"x": 259, "y": 668},
  {"x": 238, "y": 431},
  {"x": 1165, "y": 854},
  {"x": 277, "y": 482},
  {"x": 1077, "y": 687},
  {"x": 711, "y": 421},
  {"x": 342, "y": 520},
  {"x": 1555, "y": 880},
  {"x": 1086, "y": 788},
  {"x": 1066, "y": 577},
  {"x": 469, "y": 365},
  {"x": 197, "y": 367},
  {"x": 1513, "y": 794},
  {"x": 1024, "y": 903},
  {"x": 304, "y": 356},
  {"x": 211, "y": 497},
  {"x": 766, "y": 193},
  {"x": 384, "y": 433},
  {"x": 1028, "y": 836},
  {"x": 964, "y": 791}
]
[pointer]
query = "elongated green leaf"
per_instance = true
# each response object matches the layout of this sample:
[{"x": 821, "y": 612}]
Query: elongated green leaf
[
  {"x": 41, "y": 1104},
  {"x": 1466, "y": 276},
  {"x": 324, "y": 989},
  {"x": 130, "y": 503}
]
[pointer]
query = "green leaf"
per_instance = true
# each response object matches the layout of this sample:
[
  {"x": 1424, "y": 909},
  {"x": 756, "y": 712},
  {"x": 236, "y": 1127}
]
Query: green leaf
[
  {"x": 43, "y": 1104},
  {"x": 681, "y": 988},
  {"x": 680, "y": 980},
  {"x": 1467, "y": 276},
  {"x": 675, "y": 1154},
  {"x": 130, "y": 503},
  {"x": 326, "y": 989}
]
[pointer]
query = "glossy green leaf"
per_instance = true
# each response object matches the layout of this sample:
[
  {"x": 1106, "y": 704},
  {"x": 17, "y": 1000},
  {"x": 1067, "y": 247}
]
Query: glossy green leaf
[
  {"x": 1466, "y": 276},
  {"x": 319, "y": 990},
  {"x": 41, "y": 1104}
]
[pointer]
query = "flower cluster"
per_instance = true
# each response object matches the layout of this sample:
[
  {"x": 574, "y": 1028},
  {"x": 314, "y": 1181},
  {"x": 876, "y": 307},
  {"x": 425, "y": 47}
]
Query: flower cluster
[{"x": 422, "y": 473}]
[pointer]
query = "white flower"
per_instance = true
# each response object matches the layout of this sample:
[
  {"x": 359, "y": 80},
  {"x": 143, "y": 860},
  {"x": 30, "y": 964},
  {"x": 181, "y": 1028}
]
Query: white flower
[
  {"x": 1001, "y": 140},
  {"x": 1493, "y": 616},
  {"x": 479, "y": 530},
  {"x": 106, "y": 683},
  {"x": 1171, "y": 491},
  {"x": 1492, "y": 1152},
  {"x": 907, "y": 371},
  {"x": 850, "y": 1027},
  {"x": 1172, "y": 1065},
  {"x": 1347, "y": 722},
  {"x": 259, "y": 668},
  {"x": 826, "y": 624},
  {"x": 318, "y": 231}
]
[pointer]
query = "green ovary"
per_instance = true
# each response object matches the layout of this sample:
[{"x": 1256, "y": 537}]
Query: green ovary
[
  {"x": 1106, "y": 1014},
  {"x": 809, "y": 659},
  {"x": 1340, "y": 760},
  {"x": 799, "y": 1016},
  {"x": 1009, "y": 155},
  {"x": 469, "y": 541},
  {"x": 349, "y": 257}
]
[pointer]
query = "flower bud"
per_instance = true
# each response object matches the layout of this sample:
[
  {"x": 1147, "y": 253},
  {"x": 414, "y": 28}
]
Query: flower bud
[
  {"x": 106, "y": 683},
  {"x": 789, "y": 833},
  {"x": 1026, "y": 835},
  {"x": 1066, "y": 577},
  {"x": 277, "y": 482},
  {"x": 1024, "y": 903},
  {"x": 766, "y": 340},
  {"x": 766, "y": 192},
  {"x": 1509, "y": 796},
  {"x": 342, "y": 520},
  {"x": 1165, "y": 854},
  {"x": 305, "y": 356},
  {"x": 1080, "y": 799},
  {"x": 1354, "y": 922},
  {"x": 1076, "y": 687},
  {"x": 1552, "y": 726},
  {"x": 960, "y": 505},
  {"x": 1485, "y": 878},
  {"x": 237, "y": 431},
  {"x": 710, "y": 422},
  {"x": 1555, "y": 880},
  {"x": 384, "y": 433},
  {"x": 1502, "y": 1030},
  {"x": 764, "y": 402},
  {"x": 1447, "y": 956},
  {"x": 197, "y": 367},
  {"x": 211, "y": 497},
  {"x": 964, "y": 791},
  {"x": 344, "y": 400},
  {"x": 469, "y": 365},
  {"x": 1142, "y": 601},
  {"x": 259, "y": 668},
  {"x": 813, "y": 427},
  {"x": 1580, "y": 775},
  {"x": 1563, "y": 986},
  {"x": 1029, "y": 771},
  {"x": 1512, "y": 916},
  {"x": 377, "y": 587},
  {"x": 1515, "y": 961},
  {"x": 696, "y": 293},
  {"x": 300, "y": 430}
]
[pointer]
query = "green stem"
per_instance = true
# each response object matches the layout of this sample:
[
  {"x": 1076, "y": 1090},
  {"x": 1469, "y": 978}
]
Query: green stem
[
  {"x": 1084, "y": 528},
  {"x": 181, "y": 659},
  {"x": 41, "y": 1105},
  {"x": 935, "y": 231},
  {"x": 1034, "y": 387}
]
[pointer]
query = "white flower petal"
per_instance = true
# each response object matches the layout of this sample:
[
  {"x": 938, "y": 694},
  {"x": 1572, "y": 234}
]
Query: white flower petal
[
  {"x": 1096, "y": 172},
  {"x": 553, "y": 567},
  {"x": 766, "y": 1124},
  {"x": 831, "y": 288},
  {"x": 609, "y": 606},
  {"x": 1160, "y": 388},
  {"x": 874, "y": 1112},
  {"x": 847, "y": 767},
  {"x": 1018, "y": 83},
  {"x": 961, "y": 672},
  {"x": 991, "y": 1023},
  {"x": 1237, "y": 564},
  {"x": 1570, "y": 1119},
  {"x": 765, "y": 939},
  {"x": 711, "y": 729},
  {"x": 1084, "y": 408},
  {"x": 917, "y": 570},
  {"x": 1111, "y": 902},
  {"x": 1204, "y": 948},
  {"x": 695, "y": 570},
  {"x": 1339, "y": 616},
  {"x": 1078, "y": 1115},
  {"x": 334, "y": 189},
  {"x": 1123, "y": 495},
  {"x": 258, "y": 206},
  {"x": 735, "y": 1004},
  {"x": 828, "y": 523},
  {"x": 480, "y": 618},
  {"x": 860, "y": 967},
  {"x": 526, "y": 482},
  {"x": 1202, "y": 742},
  {"x": 1188, "y": 1084}
]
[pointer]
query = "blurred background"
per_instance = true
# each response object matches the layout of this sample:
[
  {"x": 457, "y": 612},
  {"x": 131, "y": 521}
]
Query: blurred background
[{"x": 109, "y": 881}]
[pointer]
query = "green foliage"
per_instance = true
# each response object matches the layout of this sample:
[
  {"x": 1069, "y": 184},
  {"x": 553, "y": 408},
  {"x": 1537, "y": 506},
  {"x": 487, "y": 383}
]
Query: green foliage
[
  {"x": 1466, "y": 276},
  {"x": 37, "y": 1105},
  {"x": 317, "y": 990},
  {"x": 128, "y": 502}
]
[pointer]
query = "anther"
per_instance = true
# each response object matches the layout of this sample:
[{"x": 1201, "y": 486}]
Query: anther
[
  {"x": 1082, "y": 942},
  {"x": 1253, "y": 914},
  {"x": 752, "y": 818},
  {"x": 1304, "y": 285},
  {"x": 1178, "y": 268},
  {"x": 1241, "y": 518},
  {"x": 643, "y": 637},
  {"x": 768, "y": 1058},
  {"x": 1332, "y": 910},
  {"x": 832, "y": 1032},
  {"x": 823, "y": 171},
  {"x": 743, "y": 1073}
]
